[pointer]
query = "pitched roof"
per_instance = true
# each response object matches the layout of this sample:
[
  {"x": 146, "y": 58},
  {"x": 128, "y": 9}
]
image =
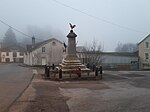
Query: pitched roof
[
  {"x": 131, "y": 54},
  {"x": 13, "y": 48},
  {"x": 37, "y": 45},
  {"x": 144, "y": 39}
]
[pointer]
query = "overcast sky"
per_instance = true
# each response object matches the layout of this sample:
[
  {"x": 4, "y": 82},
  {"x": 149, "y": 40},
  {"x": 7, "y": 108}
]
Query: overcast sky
[{"x": 133, "y": 14}]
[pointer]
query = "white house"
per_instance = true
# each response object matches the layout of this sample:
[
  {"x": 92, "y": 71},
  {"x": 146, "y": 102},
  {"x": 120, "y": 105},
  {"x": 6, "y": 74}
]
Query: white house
[
  {"x": 12, "y": 54},
  {"x": 46, "y": 52}
]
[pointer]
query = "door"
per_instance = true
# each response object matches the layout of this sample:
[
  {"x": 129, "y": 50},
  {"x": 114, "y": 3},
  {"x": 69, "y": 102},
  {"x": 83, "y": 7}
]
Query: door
[
  {"x": 7, "y": 59},
  {"x": 43, "y": 61}
]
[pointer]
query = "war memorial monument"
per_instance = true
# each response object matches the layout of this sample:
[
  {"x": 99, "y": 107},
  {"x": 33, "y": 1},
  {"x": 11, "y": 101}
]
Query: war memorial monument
[{"x": 71, "y": 62}]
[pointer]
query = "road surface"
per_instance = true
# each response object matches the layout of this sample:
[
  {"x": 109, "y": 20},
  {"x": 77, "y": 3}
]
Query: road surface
[
  {"x": 13, "y": 80},
  {"x": 127, "y": 91},
  {"x": 119, "y": 91}
]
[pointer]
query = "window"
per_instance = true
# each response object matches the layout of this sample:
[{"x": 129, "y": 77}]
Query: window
[
  {"x": 14, "y": 54},
  {"x": 7, "y": 53},
  {"x": 43, "y": 49},
  {"x": 21, "y": 60},
  {"x": 53, "y": 43},
  {"x": 21, "y": 53},
  {"x": 146, "y": 56},
  {"x": 146, "y": 44},
  {"x": 7, "y": 60}
]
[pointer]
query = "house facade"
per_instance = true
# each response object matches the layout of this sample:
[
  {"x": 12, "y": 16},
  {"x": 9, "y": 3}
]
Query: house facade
[
  {"x": 46, "y": 52},
  {"x": 12, "y": 54},
  {"x": 144, "y": 53}
]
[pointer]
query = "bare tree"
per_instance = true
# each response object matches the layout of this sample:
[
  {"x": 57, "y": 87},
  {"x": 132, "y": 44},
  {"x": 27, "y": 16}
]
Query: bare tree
[
  {"x": 93, "y": 53},
  {"x": 127, "y": 47},
  {"x": 119, "y": 47}
]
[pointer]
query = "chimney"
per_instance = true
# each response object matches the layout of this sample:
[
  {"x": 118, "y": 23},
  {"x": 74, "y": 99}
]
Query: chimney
[{"x": 33, "y": 42}]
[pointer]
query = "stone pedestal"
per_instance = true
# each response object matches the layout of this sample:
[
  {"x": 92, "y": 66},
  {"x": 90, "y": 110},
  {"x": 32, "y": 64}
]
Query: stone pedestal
[{"x": 71, "y": 61}]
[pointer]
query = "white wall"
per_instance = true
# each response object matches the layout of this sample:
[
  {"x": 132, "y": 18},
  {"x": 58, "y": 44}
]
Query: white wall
[
  {"x": 53, "y": 54},
  {"x": 144, "y": 63},
  {"x": 10, "y": 56}
]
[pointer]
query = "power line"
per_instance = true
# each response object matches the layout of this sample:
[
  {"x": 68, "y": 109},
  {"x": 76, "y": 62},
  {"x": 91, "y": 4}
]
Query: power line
[
  {"x": 17, "y": 30},
  {"x": 98, "y": 18}
]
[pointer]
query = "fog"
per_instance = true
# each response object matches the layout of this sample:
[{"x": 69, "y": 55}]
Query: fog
[{"x": 107, "y": 21}]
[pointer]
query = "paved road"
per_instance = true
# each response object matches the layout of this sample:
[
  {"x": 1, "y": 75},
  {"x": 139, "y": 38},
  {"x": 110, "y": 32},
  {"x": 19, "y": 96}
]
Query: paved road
[
  {"x": 128, "y": 91},
  {"x": 13, "y": 80}
]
